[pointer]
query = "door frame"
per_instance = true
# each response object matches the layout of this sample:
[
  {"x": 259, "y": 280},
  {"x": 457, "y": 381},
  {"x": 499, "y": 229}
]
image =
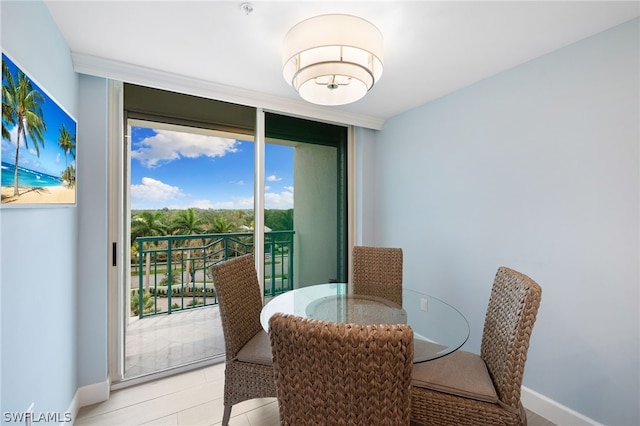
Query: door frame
[{"x": 119, "y": 226}]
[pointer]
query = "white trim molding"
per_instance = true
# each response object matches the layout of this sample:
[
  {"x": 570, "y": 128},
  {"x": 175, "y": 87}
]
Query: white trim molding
[
  {"x": 135, "y": 74},
  {"x": 74, "y": 408},
  {"x": 87, "y": 395},
  {"x": 553, "y": 411},
  {"x": 92, "y": 394}
]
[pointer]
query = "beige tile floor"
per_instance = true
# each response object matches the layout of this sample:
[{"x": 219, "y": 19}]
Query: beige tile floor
[{"x": 190, "y": 399}]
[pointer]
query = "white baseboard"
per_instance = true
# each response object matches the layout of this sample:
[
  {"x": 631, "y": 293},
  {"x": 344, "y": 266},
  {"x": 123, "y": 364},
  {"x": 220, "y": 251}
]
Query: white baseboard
[
  {"x": 87, "y": 395},
  {"x": 553, "y": 411},
  {"x": 94, "y": 393},
  {"x": 74, "y": 407}
]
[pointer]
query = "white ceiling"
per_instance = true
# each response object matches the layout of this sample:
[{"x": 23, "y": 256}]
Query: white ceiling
[{"x": 431, "y": 47}]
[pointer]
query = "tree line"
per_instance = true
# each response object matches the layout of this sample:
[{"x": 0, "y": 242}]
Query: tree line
[{"x": 193, "y": 221}]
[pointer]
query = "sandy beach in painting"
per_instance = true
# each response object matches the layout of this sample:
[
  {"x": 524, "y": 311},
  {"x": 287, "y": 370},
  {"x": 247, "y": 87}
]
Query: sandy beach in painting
[{"x": 39, "y": 195}]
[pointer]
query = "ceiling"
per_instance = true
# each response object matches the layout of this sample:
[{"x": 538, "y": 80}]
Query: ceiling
[{"x": 431, "y": 47}]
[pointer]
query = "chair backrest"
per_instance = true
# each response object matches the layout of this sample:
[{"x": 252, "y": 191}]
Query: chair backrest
[
  {"x": 329, "y": 373},
  {"x": 238, "y": 292},
  {"x": 513, "y": 306},
  {"x": 377, "y": 271}
]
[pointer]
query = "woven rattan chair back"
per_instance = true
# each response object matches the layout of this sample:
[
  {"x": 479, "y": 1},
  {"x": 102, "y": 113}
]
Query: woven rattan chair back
[
  {"x": 238, "y": 293},
  {"x": 441, "y": 397},
  {"x": 341, "y": 374},
  {"x": 377, "y": 271},
  {"x": 511, "y": 314}
]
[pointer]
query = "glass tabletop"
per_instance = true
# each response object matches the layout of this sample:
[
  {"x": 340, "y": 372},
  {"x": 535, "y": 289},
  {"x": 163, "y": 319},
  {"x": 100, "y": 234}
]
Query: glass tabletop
[{"x": 438, "y": 327}]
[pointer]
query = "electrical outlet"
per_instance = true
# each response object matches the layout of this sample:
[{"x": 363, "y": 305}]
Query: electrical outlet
[{"x": 424, "y": 304}]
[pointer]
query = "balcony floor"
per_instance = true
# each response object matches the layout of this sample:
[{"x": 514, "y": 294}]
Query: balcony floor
[{"x": 165, "y": 341}]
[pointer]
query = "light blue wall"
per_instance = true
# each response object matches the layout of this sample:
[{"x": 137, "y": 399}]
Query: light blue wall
[
  {"x": 537, "y": 169},
  {"x": 38, "y": 252}
]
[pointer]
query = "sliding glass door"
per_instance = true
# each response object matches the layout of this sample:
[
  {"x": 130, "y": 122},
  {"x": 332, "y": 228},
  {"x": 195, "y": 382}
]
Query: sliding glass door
[
  {"x": 191, "y": 205},
  {"x": 190, "y": 201}
]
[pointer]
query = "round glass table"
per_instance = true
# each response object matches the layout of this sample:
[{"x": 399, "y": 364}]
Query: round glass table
[{"x": 438, "y": 327}]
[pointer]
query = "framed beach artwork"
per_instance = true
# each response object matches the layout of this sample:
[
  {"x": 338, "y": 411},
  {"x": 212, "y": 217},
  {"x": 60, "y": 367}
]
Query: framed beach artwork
[{"x": 38, "y": 144}]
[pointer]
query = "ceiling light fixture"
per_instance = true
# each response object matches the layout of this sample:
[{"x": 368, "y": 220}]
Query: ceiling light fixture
[{"x": 333, "y": 59}]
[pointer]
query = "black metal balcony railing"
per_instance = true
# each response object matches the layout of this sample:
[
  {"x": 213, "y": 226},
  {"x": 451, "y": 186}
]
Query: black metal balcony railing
[{"x": 174, "y": 271}]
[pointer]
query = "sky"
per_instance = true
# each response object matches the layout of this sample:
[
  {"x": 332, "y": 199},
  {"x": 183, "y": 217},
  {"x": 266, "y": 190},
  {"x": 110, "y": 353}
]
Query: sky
[
  {"x": 180, "y": 170},
  {"x": 52, "y": 159}
]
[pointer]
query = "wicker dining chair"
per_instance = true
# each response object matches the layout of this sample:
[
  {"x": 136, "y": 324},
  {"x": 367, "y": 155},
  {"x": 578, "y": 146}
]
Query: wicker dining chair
[
  {"x": 331, "y": 373},
  {"x": 377, "y": 271},
  {"x": 469, "y": 389},
  {"x": 248, "y": 370}
]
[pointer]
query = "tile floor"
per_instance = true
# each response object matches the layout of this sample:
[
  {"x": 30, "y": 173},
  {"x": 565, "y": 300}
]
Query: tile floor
[
  {"x": 193, "y": 398},
  {"x": 190, "y": 399}
]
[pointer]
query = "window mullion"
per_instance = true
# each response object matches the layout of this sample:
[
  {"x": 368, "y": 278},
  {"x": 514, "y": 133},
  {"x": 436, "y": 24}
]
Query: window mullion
[{"x": 258, "y": 197}]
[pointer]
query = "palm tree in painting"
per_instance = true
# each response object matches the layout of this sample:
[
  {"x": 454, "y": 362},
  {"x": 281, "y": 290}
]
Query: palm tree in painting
[
  {"x": 8, "y": 115},
  {"x": 21, "y": 106},
  {"x": 67, "y": 143},
  {"x": 187, "y": 223},
  {"x": 69, "y": 175},
  {"x": 147, "y": 224}
]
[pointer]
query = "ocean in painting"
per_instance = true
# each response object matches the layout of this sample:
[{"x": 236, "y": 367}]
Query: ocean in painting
[{"x": 28, "y": 178}]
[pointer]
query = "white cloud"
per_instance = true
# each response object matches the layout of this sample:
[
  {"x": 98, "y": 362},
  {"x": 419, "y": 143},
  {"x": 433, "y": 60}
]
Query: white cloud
[
  {"x": 282, "y": 200},
  {"x": 273, "y": 178},
  {"x": 155, "y": 190},
  {"x": 207, "y": 204},
  {"x": 13, "y": 134},
  {"x": 28, "y": 157},
  {"x": 273, "y": 200},
  {"x": 167, "y": 146},
  {"x": 244, "y": 203},
  {"x": 239, "y": 203}
]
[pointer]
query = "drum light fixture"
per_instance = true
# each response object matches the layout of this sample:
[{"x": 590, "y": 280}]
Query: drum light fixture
[{"x": 333, "y": 59}]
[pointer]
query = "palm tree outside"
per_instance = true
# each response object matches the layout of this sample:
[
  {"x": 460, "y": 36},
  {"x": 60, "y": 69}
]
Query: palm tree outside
[
  {"x": 188, "y": 223},
  {"x": 147, "y": 224},
  {"x": 220, "y": 225}
]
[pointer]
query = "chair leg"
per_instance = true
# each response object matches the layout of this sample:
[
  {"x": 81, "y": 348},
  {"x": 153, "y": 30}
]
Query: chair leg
[{"x": 226, "y": 415}]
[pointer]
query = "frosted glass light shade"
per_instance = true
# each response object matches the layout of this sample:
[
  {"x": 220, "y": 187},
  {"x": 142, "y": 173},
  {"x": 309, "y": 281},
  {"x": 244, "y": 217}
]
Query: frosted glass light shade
[{"x": 333, "y": 59}]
